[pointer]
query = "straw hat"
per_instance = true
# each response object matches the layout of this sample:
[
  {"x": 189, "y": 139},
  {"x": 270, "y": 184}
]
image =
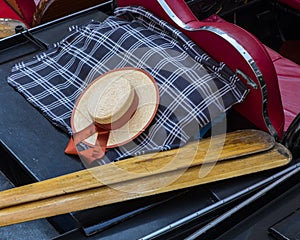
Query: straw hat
[{"x": 124, "y": 100}]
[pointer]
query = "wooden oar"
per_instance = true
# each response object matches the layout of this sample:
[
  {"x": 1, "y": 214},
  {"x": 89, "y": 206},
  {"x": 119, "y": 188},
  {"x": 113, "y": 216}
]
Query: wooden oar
[
  {"x": 218, "y": 148},
  {"x": 141, "y": 187}
]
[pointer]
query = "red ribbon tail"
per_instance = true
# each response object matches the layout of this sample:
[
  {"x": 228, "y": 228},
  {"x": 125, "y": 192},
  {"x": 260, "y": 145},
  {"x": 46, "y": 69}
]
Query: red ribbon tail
[
  {"x": 71, "y": 147},
  {"x": 78, "y": 137},
  {"x": 93, "y": 153},
  {"x": 98, "y": 151}
]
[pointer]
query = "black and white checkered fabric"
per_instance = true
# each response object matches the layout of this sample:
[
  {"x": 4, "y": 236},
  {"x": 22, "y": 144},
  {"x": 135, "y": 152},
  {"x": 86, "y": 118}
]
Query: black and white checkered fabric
[{"x": 194, "y": 89}]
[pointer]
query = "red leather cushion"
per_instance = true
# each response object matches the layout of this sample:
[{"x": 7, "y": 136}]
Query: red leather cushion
[
  {"x": 288, "y": 74},
  {"x": 7, "y": 12},
  {"x": 27, "y": 8},
  {"x": 292, "y": 3}
]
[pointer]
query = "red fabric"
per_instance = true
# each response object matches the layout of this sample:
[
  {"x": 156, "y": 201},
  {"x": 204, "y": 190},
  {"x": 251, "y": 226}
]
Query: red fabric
[
  {"x": 291, "y": 50},
  {"x": 7, "y": 12},
  {"x": 27, "y": 8},
  {"x": 96, "y": 151},
  {"x": 292, "y": 3},
  {"x": 288, "y": 74}
]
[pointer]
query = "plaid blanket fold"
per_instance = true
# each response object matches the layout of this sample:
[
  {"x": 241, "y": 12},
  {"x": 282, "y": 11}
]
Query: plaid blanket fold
[{"x": 194, "y": 89}]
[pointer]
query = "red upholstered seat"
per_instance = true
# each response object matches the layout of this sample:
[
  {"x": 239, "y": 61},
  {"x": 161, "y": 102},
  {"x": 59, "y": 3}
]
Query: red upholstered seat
[
  {"x": 7, "y": 12},
  {"x": 27, "y": 8},
  {"x": 291, "y": 3},
  {"x": 288, "y": 74},
  {"x": 240, "y": 50}
]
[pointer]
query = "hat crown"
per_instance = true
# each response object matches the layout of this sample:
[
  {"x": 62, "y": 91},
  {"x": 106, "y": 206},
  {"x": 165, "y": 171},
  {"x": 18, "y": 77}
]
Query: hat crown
[
  {"x": 130, "y": 93},
  {"x": 111, "y": 100}
]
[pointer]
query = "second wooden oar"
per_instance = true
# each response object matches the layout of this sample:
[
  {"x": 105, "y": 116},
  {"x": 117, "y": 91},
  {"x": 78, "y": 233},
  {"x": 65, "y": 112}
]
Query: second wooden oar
[
  {"x": 218, "y": 148},
  {"x": 141, "y": 187}
]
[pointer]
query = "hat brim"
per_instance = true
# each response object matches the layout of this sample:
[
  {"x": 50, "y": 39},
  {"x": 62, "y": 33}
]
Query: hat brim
[{"x": 148, "y": 95}]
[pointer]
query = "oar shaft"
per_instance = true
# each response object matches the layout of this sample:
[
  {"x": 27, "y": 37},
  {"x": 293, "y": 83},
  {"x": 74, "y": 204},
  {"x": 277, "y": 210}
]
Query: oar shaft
[
  {"x": 218, "y": 148},
  {"x": 150, "y": 185}
]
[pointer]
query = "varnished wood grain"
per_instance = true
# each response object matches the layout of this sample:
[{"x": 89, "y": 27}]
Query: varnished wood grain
[
  {"x": 218, "y": 148},
  {"x": 145, "y": 186}
]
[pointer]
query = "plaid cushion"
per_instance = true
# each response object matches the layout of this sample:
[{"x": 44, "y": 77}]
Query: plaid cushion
[{"x": 194, "y": 89}]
